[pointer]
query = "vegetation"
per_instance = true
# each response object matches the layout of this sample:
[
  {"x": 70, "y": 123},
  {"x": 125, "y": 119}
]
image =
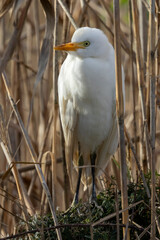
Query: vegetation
[
  {"x": 33, "y": 178},
  {"x": 76, "y": 223}
]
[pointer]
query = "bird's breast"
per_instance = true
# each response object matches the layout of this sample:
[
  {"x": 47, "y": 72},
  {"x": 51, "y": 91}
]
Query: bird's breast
[
  {"x": 92, "y": 87},
  {"x": 91, "y": 82}
]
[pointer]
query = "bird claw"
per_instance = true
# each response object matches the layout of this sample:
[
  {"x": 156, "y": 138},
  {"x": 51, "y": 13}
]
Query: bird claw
[{"x": 93, "y": 199}]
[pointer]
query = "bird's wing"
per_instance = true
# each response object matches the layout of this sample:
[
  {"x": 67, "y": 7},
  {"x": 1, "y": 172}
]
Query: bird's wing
[
  {"x": 109, "y": 145},
  {"x": 68, "y": 115}
]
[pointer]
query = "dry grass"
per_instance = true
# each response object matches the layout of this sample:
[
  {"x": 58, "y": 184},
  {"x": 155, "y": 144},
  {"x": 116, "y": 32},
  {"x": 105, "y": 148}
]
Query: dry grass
[{"x": 32, "y": 171}]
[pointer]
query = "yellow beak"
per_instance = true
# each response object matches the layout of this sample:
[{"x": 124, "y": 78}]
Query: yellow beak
[{"x": 69, "y": 46}]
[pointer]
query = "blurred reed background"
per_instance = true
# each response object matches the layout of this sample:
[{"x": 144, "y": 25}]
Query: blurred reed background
[{"x": 30, "y": 129}]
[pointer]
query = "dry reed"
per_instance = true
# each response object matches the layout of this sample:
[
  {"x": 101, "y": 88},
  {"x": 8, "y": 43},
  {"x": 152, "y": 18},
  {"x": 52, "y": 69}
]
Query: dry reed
[{"x": 29, "y": 106}]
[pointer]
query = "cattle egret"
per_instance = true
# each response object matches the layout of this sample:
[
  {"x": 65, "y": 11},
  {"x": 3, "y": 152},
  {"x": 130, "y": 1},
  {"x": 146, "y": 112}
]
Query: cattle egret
[{"x": 87, "y": 102}]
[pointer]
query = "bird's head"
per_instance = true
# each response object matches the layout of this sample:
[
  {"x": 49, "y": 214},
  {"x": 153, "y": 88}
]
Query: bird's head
[{"x": 87, "y": 43}]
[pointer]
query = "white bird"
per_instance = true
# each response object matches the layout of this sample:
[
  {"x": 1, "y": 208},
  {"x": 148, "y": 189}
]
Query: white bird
[{"x": 87, "y": 102}]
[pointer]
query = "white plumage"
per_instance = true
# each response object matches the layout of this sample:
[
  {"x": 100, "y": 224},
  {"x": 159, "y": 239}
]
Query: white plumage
[{"x": 87, "y": 99}]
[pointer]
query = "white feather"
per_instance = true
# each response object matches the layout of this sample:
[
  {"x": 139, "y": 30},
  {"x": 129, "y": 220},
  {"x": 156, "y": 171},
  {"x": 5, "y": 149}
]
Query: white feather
[{"x": 87, "y": 100}]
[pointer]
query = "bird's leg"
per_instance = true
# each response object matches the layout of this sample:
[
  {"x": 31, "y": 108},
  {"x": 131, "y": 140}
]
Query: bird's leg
[
  {"x": 93, "y": 159},
  {"x": 75, "y": 201}
]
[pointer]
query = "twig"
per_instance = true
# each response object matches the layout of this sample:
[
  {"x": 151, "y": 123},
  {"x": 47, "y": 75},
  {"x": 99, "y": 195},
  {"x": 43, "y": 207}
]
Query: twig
[
  {"x": 40, "y": 153},
  {"x": 114, "y": 214},
  {"x": 152, "y": 117},
  {"x": 55, "y": 102},
  {"x": 117, "y": 214},
  {"x": 140, "y": 75},
  {"x": 15, "y": 37},
  {"x": 24, "y": 199},
  {"x": 33, "y": 155},
  {"x": 137, "y": 162},
  {"x": 74, "y": 225},
  {"x": 9, "y": 212},
  {"x": 31, "y": 167},
  {"x": 66, "y": 10},
  {"x": 120, "y": 111},
  {"x": 133, "y": 77}
]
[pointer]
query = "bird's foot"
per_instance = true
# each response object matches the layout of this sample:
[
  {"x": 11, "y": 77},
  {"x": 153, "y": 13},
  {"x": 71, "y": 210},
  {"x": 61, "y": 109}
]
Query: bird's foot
[
  {"x": 94, "y": 204},
  {"x": 93, "y": 198}
]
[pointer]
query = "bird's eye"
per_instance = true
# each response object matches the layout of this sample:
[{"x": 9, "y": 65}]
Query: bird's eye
[{"x": 86, "y": 43}]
